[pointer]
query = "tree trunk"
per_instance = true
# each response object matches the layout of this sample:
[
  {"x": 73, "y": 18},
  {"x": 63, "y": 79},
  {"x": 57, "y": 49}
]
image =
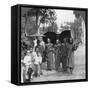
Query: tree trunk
[{"x": 37, "y": 21}]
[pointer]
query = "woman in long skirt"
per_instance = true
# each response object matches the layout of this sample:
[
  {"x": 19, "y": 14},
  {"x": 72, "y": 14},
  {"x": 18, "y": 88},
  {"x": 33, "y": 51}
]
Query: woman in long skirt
[
  {"x": 57, "y": 55},
  {"x": 49, "y": 50}
]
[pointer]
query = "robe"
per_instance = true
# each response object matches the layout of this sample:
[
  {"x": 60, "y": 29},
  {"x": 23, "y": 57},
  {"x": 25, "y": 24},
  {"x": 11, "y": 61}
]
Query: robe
[
  {"x": 57, "y": 56},
  {"x": 70, "y": 56},
  {"x": 50, "y": 58}
]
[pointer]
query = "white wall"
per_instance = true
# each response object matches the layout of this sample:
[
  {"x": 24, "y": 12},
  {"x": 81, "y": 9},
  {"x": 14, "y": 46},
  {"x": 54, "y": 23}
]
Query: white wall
[{"x": 5, "y": 44}]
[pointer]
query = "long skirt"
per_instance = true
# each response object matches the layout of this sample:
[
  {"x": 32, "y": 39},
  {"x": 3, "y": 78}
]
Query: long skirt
[
  {"x": 37, "y": 70},
  {"x": 64, "y": 63},
  {"x": 71, "y": 60},
  {"x": 50, "y": 61},
  {"x": 57, "y": 61}
]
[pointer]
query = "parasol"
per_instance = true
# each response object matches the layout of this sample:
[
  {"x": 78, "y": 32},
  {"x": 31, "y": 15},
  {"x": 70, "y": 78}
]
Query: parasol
[
  {"x": 64, "y": 34},
  {"x": 37, "y": 35},
  {"x": 51, "y": 35}
]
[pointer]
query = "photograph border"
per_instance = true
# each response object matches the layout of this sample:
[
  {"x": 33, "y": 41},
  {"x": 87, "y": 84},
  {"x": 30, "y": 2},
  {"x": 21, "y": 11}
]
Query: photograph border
[{"x": 19, "y": 44}]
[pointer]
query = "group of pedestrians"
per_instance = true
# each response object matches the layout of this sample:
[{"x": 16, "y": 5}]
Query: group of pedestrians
[{"x": 59, "y": 57}]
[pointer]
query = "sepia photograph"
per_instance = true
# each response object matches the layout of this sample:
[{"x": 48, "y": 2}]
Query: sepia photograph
[{"x": 53, "y": 44}]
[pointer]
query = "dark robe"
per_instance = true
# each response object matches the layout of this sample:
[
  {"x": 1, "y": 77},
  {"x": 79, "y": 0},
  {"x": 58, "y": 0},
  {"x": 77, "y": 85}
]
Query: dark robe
[
  {"x": 64, "y": 56},
  {"x": 57, "y": 56},
  {"x": 49, "y": 50},
  {"x": 70, "y": 56}
]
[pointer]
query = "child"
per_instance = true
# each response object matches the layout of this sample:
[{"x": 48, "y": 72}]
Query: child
[
  {"x": 28, "y": 63},
  {"x": 38, "y": 61}
]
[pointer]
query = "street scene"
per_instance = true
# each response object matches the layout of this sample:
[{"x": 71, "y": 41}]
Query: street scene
[
  {"x": 52, "y": 45},
  {"x": 78, "y": 73}
]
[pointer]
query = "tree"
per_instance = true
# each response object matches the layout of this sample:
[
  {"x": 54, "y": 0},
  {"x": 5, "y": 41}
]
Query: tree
[
  {"x": 81, "y": 15},
  {"x": 76, "y": 30},
  {"x": 31, "y": 20},
  {"x": 51, "y": 28},
  {"x": 42, "y": 16}
]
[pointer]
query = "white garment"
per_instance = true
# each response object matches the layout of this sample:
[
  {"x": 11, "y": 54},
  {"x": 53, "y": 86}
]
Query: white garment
[
  {"x": 35, "y": 44},
  {"x": 28, "y": 59},
  {"x": 38, "y": 59}
]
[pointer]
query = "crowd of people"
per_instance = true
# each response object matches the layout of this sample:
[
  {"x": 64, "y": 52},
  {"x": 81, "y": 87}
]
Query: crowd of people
[{"x": 59, "y": 57}]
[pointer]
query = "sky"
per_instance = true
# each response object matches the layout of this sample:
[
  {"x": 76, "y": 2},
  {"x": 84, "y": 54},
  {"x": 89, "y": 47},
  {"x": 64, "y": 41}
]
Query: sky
[{"x": 64, "y": 16}]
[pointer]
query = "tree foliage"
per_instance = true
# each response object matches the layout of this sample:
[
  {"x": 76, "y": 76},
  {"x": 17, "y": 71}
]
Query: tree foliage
[
  {"x": 79, "y": 13},
  {"x": 81, "y": 17},
  {"x": 51, "y": 28},
  {"x": 77, "y": 30},
  {"x": 40, "y": 16},
  {"x": 31, "y": 20}
]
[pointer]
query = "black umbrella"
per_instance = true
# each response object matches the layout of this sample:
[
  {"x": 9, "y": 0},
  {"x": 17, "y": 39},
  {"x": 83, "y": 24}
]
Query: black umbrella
[
  {"x": 64, "y": 34},
  {"x": 51, "y": 35}
]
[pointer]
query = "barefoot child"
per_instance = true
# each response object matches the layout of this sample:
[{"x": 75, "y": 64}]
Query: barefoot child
[
  {"x": 38, "y": 61},
  {"x": 28, "y": 63}
]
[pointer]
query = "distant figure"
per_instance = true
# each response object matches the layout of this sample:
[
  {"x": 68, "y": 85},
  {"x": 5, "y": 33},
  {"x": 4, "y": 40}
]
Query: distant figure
[{"x": 49, "y": 50}]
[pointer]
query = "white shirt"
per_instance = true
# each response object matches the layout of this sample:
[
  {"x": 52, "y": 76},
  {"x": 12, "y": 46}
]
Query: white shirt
[
  {"x": 28, "y": 59},
  {"x": 38, "y": 59}
]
